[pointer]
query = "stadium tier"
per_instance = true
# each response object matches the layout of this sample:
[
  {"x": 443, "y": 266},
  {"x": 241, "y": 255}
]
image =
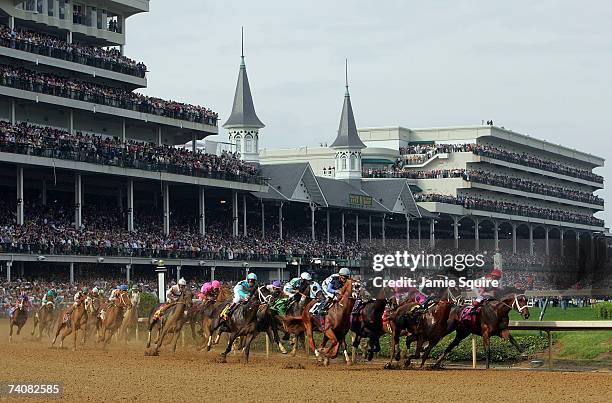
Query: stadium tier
[{"x": 94, "y": 174}]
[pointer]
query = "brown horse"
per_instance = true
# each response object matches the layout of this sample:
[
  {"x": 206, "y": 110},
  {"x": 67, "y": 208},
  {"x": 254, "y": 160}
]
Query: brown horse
[
  {"x": 19, "y": 317},
  {"x": 76, "y": 321},
  {"x": 491, "y": 320},
  {"x": 130, "y": 319},
  {"x": 111, "y": 318},
  {"x": 44, "y": 319},
  {"x": 337, "y": 324},
  {"x": 173, "y": 321}
]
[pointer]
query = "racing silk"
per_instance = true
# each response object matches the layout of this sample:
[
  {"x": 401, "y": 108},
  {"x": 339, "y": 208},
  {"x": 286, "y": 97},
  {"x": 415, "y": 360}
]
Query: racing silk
[
  {"x": 47, "y": 300},
  {"x": 419, "y": 297},
  {"x": 206, "y": 287},
  {"x": 275, "y": 292},
  {"x": 173, "y": 293},
  {"x": 487, "y": 291},
  {"x": 114, "y": 295},
  {"x": 293, "y": 287},
  {"x": 242, "y": 291},
  {"x": 331, "y": 285},
  {"x": 314, "y": 289}
]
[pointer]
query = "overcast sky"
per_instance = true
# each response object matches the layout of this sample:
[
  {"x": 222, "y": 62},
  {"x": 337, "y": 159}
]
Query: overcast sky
[{"x": 539, "y": 68}]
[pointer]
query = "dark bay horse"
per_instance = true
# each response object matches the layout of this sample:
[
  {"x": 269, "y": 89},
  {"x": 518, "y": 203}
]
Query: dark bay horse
[
  {"x": 77, "y": 320},
  {"x": 19, "y": 317},
  {"x": 44, "y": 319},
  {"x": 248, "y": 320},
  {"x": 337, "y": 324},
  {"x": 491, "y": 320},
  {"x": 368, "y": 322}
]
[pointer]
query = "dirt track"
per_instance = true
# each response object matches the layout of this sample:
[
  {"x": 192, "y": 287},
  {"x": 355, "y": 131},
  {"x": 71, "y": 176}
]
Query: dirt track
[{"x": 127, "y": 374}]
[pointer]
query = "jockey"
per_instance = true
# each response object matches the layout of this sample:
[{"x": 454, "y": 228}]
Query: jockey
[
  {"x": 242, "y": 292},
  {"x": 296, "y": 287},
  {"x": 276, "y": 289},
  {"x": 487, "y": 291},
  {"x": 48, "y": 298},
  {"x": 216, "y": 290},
  {"x": 174, "y": 292},
  {"x": 331, "y": 287},
  {"x": 78, "y": 298},
  {"x": 116, "y": 292}
]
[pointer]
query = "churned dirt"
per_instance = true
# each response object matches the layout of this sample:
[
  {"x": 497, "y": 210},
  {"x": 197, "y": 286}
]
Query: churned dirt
[{"x": 124, "y": 373}]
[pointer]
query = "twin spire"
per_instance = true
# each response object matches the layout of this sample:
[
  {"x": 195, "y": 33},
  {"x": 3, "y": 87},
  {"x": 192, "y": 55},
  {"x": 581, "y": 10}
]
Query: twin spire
[
  {"x": 347, "y": 137},
  {"x": 243, "y": 111}
]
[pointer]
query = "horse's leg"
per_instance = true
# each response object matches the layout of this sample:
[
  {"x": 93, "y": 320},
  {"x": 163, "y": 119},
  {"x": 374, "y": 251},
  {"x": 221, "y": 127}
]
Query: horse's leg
[
  {"x": 35, "y": 323},
  {"x": 426, "y": 352},
  {"x": 394, "y": 343},
  {"x": 355, "y": 340},
  {"x": 514, "y": 343},
  {"x": 247, "y": 348},
  {"x": 230, "y": 343},
  {"x": 345, "y": 349},
  {"x": 75, "y": 331},
  {"x": 160, "y": 339},
  {"x": 458, "y": 337},
  {"x": 273, "y": 332},
  {"x": 487, "y": 346},
  {"x": 11, "y": 332},
  {"x": 417, "y": 352},
  {"x": 175, "y": 337},
  {"x": 151, "y": 325}
]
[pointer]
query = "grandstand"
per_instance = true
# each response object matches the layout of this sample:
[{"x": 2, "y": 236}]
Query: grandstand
[{"x": 95, "y": 176}]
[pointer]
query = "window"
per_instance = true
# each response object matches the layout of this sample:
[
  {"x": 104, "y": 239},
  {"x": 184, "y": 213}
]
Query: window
[
  {"x": 344, "y": 163},
  {"x": 39, "y": 6},
  {"x": 62, "y": 9},
  {"x": 238, "y": 144},
  {"x": 50, "y": 7},
  {"x": 248, "y": 144},
  {"x": 353, "y": 162}
]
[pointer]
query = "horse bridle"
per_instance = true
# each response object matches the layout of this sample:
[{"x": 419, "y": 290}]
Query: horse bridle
[
  {"x": 519, "y": 308},
  {"x": 264, "y": 299}
]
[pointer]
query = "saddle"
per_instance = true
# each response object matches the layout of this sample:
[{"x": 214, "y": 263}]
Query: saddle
[{"x": 469, "y": 315}]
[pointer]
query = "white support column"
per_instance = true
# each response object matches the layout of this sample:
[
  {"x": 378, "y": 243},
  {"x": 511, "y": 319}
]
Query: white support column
[
  {"x": 178, "y": 273},
  {"x": 71, "y": 121},
  {"x": 202, "y": 209},
  {"x": 327, "y": 223},
  {"x": 531, "y": 239},
  {"x": 407, "y": 230},
  {"x": 78, "y": 198},
  {"x": 9, "y": 265},
  {"x": 280, "y": 220},
  {"x": 370, "y": 226},
  {"x": 20, "y": 199},
  {"x": 128, "y": 273},
  {"x": 72, "y": 273},
  {"x": 513, "y": 237},
  {"x": 356, "y": 227},
  {"x": 477, "y": 233},
  {"x": 496, "y": 235},
  {"x": 13, "y": 112},
  {"x": 244, "y": 216},
  {"x": 69, "y": 34},
  {"x": 561, "y": 241},
  {"x": 312, "y": 221},
  {"x": 383, "y": 229},
  {"x": 130, "y": 205},
  {"x": 194, "y": 144},
  {"x": 159, "y": 135},
  {"x": 546, "y": 229},
  {"x": 456, "y": 231},
  {"x": 11, "y": 22},
  {"x": 343, "y": 227},
  {"x": 432, "y": 233},
  {"x": 166, "y": 210},
  {"x": 263, "y": 219},
  {"x": 419, "y": 230},
  {"x": 234, "y": 213},
  {"x": 123, "y": 130}
]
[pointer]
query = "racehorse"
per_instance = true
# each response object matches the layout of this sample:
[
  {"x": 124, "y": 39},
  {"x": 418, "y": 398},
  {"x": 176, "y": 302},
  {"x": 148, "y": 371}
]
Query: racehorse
[
  {"x": 368, "y": 323},
  {"x": 491, "y": 320},
  {"x": 72, "y": 323},
  {"x": 172, "y": 321},
  {"x": 210, "y": 320},
  {"x": 337, "y": 324},
  {"x": 130, "y": 319},
  {"x": 19, "y": 317},
  {"x": 92, "y": 307},
  {"x": 248, "y": 320},
  {"x": 111, "y": 317},
  {"x": 44, "y": 319}
]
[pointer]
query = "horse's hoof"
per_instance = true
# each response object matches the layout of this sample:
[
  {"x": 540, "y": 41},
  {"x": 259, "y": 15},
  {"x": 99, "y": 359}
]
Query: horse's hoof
[{"x": 326, "y": 361}]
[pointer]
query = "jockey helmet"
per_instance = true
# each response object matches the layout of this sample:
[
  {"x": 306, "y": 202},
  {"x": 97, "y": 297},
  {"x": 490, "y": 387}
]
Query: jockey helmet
[
  {"x": 85, "y": 289},
  {"x": 252, "y": 276},
  {"x": 123, "y": 287},
  {"x": 95, "y": 290},
  {"x": 182, "y": 281},
  {"x": 496, "y": 272},
  {"x": 306, "y": 276},
  {"x": 277, "y": 284},
  {"x": 344, "y": 272},
  {"x": 216, "y": 284},
  {"x": 50, "y": 293}
]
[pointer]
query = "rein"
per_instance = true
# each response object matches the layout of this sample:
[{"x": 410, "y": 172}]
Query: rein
[
  {"x": 264, "y": 299},
  {"x": 516, "y": 303}
]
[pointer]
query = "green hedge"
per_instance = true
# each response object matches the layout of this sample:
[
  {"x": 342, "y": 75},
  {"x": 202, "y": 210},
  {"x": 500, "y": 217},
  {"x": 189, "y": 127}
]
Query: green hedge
[
  {"x": 604, "y": 310},
  {"x": 148, "y": 301}
]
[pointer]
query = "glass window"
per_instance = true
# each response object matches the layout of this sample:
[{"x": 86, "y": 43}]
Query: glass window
[
  {"x": 343, "y": 162},
  {"x": 50, "y": 7},
  {"x": 62, "y": 9},
  {"x": 39, "y": 6},
  {"x": 353, "y": 162},
  {"x": 248, "y": 144},
  {"x": 238, "y": 144}
]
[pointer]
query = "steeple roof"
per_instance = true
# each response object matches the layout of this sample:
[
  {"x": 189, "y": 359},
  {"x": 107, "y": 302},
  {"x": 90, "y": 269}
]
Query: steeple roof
[
  {"x": 243, "y": 111},
  {"x": 347, "y": 132}
]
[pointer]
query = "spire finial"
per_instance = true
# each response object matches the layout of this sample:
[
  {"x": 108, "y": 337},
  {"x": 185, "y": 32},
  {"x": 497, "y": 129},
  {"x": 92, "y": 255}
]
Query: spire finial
[
  {"x": 242, "y": 46},
  {"x": 346, "y": 75}
]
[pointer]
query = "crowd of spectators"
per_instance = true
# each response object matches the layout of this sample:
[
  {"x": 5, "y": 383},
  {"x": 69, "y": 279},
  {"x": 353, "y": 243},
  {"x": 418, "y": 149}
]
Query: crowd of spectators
[
  {"x": 504, "y": 207},
  {"x": 51, "y": 46},
  {"x": 24, "y": 138},
  {"x": 419, "y": 154},
  {"x": 29, "y": 80}
]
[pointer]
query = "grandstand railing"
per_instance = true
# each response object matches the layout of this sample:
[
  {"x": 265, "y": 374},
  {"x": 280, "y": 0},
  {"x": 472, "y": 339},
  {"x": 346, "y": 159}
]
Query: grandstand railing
[
  {"x": 74, "y": 56},
  {"x": 123, "y": 161}
]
